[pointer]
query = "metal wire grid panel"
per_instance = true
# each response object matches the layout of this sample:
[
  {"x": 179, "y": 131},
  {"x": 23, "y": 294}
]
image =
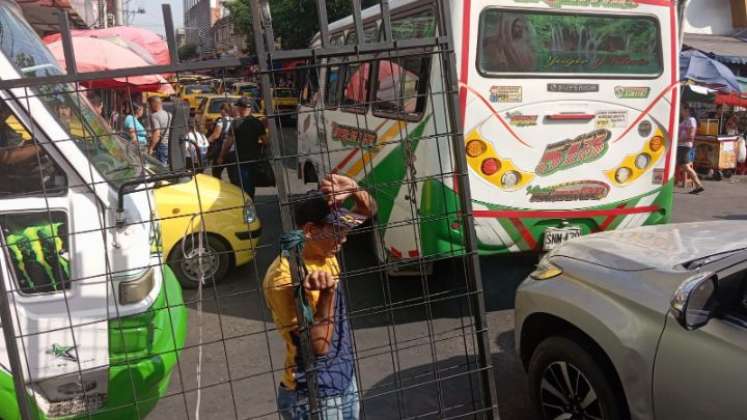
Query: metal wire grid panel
[{"x": 128, "y": 342}]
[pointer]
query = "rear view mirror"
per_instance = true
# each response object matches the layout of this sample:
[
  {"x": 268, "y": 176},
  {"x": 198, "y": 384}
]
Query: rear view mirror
[
  {"x": 693, "y": 301},
  {"x": 177, "y": 132}
]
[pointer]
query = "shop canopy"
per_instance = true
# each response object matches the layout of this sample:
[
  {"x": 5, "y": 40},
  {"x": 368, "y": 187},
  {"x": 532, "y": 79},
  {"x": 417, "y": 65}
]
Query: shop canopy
[
  {"x": 92, "y": 55},
  {"x": 695, "y": 93},
  {"x": 725, "y": 49},
  {"x": 149, "y": 46},
  {"x": 698, "y": 67}
]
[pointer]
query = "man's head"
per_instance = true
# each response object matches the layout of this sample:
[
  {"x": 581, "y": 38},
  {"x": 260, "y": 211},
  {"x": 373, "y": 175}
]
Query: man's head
[
  {"x": 243, "y": 107},
  {"x": 155, "y": 103},
  {"x": 325, "y": 229}
]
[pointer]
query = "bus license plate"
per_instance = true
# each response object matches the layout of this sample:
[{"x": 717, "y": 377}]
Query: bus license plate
[{"x": 556, "y": 236}]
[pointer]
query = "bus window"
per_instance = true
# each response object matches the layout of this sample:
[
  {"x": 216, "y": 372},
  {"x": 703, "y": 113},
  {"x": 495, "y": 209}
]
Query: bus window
[
  {"x": 355, "y": 95},
  {"x": 370, "y": 33},
  {"x": 331, "y": 98},
  {"x": 419, "y": 25},
  {"x": 25, "y": 168},
  {"x": 401, "y": 87},
  {"x": 572, "y": 45}
]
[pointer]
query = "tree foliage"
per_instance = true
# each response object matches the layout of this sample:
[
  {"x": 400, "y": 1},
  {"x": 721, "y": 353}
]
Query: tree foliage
[{"x": 294, "y": 21}]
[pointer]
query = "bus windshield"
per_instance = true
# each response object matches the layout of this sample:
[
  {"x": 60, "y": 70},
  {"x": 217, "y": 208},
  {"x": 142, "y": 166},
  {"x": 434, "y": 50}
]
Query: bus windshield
[
  {"x": 117, "y": 161},
  {"x": 562, "y": 44}
]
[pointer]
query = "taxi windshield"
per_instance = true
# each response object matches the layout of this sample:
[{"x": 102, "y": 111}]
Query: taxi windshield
[{"x": 117, "y": 161}]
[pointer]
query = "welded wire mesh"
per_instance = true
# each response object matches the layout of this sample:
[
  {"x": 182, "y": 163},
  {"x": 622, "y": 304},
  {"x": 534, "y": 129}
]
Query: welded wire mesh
[{"x": 138, "y": 287}]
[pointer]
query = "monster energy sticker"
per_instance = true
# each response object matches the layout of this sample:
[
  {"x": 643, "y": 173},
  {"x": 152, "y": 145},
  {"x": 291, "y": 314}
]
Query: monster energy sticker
[
  {"x": 569, "y": 191},
  {"x": 63, "y": 352},
  {"x": 36, "y": 255},
  {"x": 573, "y": 152},
  {"x": 607, "y": 4}
]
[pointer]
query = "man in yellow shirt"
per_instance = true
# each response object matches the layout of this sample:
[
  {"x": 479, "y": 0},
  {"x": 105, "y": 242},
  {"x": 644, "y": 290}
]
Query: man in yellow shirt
[{"x": 325, "y": 226}]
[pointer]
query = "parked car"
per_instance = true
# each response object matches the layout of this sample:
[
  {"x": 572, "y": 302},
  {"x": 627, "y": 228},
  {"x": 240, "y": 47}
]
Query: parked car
[
  {"x": 209, "y": 110},
  {"x": 647, "y": 323},
  {"x": 250, "y": 89}
]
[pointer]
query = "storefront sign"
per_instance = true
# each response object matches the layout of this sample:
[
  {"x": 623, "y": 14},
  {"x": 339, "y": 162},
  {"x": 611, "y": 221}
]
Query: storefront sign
[
  {"x": 505, "y": 94},
  {"x": 607, "y": 4},
  {"x": 353, "y": 136},
  {"x": 520, "y": 120},
  {"x": 569, "y": 191},
  {"x": 631, "y": 92},
  {"x": 573, "y": 152},
  {"x": 612, "y": 119},
  {"x": 572, "y": 87}
]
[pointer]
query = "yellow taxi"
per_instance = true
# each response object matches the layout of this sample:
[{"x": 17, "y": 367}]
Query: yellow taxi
[
  {"x": 209, "y": 110},
  {"x": 285, "y": 101},
  {"x": 194, "y": 93},
  {"x": 250, "y": 89},
  {"x": 231, "y": 222}
]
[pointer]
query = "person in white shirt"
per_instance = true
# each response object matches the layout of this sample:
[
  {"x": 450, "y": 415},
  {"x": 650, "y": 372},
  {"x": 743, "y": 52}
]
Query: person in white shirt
[
  {"x": 686, "y": 147},
  {"x": 195, "y": 148}
]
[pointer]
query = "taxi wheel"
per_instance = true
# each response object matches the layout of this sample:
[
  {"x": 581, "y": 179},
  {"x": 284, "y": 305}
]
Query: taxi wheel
[{"x": 216, "y": 261}]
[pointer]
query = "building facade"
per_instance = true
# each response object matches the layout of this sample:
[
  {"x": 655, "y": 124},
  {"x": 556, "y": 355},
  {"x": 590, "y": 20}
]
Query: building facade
[
  {"x": 718, "y": 28},
  {"x": 199, "y": 18},
  {"x": 225, "y": 38}
]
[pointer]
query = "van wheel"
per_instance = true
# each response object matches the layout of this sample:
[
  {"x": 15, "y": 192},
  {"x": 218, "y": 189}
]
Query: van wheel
[
  {"x": 216, "y": 261},
  {"x": 566, "y": 382}
]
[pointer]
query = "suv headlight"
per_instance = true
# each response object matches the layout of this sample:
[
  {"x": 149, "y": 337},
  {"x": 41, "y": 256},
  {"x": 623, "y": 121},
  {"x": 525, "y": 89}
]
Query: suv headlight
[
  {"x": 545, "y": 270},
  {"x": 250, "y": 213}
]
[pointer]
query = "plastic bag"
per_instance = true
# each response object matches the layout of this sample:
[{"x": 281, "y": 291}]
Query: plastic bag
[{"x": 741, "y": 150}]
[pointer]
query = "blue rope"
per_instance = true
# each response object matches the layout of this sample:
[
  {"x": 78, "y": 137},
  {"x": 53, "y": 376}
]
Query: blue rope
[{"x": 294, "y": 240}]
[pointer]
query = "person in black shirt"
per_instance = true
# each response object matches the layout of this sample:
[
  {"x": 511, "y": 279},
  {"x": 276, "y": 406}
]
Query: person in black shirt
[{"x": 242, "y": 146}]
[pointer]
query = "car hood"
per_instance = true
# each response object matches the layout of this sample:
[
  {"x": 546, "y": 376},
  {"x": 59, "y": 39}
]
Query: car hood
[
  {"x": 657, "y": 247},
  {"x": 214, "y": 194}
]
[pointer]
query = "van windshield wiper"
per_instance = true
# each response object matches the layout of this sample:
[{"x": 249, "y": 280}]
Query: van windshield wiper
[{"x": 700, "y": 262}]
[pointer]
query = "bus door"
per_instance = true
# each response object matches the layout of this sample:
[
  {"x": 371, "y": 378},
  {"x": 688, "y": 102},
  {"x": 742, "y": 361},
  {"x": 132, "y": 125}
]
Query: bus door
[{"x": 569, "y": 118}]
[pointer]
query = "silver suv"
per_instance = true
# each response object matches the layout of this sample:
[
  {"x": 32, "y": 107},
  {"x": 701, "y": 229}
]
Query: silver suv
[{"x": 647, "y": 323}]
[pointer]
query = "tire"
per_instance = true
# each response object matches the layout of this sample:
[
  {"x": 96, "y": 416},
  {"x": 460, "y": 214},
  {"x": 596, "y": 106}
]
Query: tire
[
  {"x": 585, "y": 375},
  {"x": 218, "y": 257}
]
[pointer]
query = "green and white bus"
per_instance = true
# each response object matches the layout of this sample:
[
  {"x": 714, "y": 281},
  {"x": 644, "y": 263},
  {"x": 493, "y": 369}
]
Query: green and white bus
[
  {"x": 98, "y": 320},
  {"x": 569, "y": 109}
]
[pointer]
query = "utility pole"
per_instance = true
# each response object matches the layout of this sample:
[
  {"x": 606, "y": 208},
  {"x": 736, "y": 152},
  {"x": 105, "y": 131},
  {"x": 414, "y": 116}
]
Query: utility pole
[
  {"x": 118, "y": 15},
  {"x": 103, "y": 14}
]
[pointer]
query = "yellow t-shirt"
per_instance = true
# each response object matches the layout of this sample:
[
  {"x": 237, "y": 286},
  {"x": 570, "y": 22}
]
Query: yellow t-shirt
[{"x": 281, "y": 299}]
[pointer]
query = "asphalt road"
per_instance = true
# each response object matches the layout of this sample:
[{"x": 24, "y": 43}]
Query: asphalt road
[{"x": 423, "y": 349}]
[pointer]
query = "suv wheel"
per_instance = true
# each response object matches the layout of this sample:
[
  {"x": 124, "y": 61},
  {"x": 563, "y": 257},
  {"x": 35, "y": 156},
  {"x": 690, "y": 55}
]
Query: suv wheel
[{"x": 566, "y": 382}]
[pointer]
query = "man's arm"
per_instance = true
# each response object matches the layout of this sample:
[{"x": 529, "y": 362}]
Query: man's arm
[
  {"x": 324, "y": 316},
  {"x": 227, "y": 143},
  {"x": 338, "y": 188},
  {"x": 215, "y": 134},
  {"x": 17, "y": 155},
  {"x": 155, "y": 134}
]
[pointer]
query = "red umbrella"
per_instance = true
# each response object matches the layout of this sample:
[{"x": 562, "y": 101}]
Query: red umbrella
[
  {"x": 156, "y": 47},
  {"x": 93, "y": 54}
]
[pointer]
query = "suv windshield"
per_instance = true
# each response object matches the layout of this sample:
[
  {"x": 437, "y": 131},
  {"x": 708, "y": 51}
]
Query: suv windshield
[{"x": 116, "y": 161}]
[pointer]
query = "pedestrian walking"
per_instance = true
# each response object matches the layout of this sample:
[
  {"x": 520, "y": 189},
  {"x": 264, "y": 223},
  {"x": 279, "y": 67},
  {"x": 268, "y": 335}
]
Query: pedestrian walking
[
  {"x": 195, "y": 148},
  {"x": 686, "y": 148},
  {"x": 217, "y": 137},
  {"x": 324, "y": 225},
  {"x": 160, "y": 120},
  {"x": 134, "y": 128},
  {"x": 242, "y": 146}
]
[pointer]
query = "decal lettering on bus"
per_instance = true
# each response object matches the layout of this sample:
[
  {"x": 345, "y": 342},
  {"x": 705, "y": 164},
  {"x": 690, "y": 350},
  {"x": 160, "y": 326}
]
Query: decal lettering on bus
[
  {"x": 572, "y": 87},
  {"x": 569, "y": 191},
  {"x": 570, "y": 153},
  {"x": 353, "y": 136},
  {"x": 612, "y": 119},
  {"x": 611, "y": 4},
  {"x": 520, "y": 120},
  {"x": 632, "y": 92}
]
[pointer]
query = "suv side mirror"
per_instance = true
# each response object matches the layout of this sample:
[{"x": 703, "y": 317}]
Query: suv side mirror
[{"x": 694, "y": 301}]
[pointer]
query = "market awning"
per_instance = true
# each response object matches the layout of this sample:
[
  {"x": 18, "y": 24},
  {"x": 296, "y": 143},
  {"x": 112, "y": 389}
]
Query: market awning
[
  {"x": 698, "y": 67},
  {"x": 726, "y": 49}
]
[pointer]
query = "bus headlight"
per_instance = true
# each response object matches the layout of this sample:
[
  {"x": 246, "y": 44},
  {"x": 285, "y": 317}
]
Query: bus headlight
[
  {"x": 622, "y": 174},
  {"x": 510, "y": 179},
  {"x": 475, "y": 148},
  {"x": 656, "y": 143},
  {"x": 490, "y": 166},
  {"x": 134, "y": 291},
  {"x": 642, "y": 160},
  {"x": 250, "y": 213}
]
